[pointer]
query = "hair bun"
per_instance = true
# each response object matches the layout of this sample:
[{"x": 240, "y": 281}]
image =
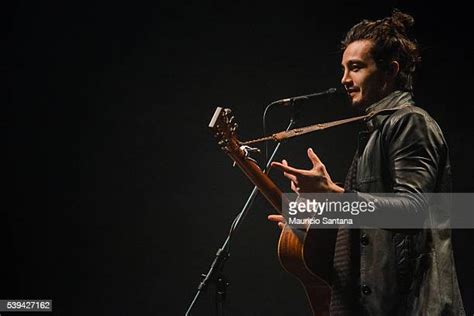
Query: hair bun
[{"x": 402, "y": 21}]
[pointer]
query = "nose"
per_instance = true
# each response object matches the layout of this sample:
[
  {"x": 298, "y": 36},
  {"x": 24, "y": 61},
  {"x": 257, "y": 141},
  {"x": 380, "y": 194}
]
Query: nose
[{"x": 346, "y": 80}]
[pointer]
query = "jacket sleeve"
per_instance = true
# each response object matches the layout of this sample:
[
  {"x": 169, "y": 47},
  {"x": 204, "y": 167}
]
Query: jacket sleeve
[{"x": 413, "y": 148}]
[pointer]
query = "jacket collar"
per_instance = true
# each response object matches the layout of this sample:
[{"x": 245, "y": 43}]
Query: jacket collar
[{"x": 396, "y": 99}]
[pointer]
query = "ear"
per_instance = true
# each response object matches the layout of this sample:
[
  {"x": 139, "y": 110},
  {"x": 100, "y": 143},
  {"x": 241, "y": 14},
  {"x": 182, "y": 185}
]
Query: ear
[{"x": 393, "y": 69}]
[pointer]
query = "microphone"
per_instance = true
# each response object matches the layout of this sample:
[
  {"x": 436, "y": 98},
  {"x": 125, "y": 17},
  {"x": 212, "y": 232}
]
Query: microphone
[{"x": 290, "y": 101}]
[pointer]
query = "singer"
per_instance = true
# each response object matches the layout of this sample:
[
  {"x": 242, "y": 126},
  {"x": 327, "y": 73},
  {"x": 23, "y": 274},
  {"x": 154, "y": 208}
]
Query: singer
[{"x": 380, "y": 271}]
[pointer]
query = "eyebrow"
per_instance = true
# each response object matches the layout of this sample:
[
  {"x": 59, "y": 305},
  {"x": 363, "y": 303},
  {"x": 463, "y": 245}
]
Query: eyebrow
[{"x": 354, "y": 61}]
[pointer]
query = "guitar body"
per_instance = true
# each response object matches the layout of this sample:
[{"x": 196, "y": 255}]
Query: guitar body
[
  {"x": 308, "y": 255},
  {"x": 305, "y": 253}
]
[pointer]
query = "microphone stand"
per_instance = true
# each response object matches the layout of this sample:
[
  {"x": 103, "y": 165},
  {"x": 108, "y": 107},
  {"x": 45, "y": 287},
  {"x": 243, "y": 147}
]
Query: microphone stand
[{"x": 215, "y": 273}]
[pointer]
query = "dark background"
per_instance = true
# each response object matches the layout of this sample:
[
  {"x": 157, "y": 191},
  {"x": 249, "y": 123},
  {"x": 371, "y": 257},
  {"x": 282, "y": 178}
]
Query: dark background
[{"x": 117, "y": 196}]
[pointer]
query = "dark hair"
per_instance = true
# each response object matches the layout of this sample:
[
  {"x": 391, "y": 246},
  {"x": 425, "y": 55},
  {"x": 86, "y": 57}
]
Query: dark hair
[{"x": 391, "y": 42}]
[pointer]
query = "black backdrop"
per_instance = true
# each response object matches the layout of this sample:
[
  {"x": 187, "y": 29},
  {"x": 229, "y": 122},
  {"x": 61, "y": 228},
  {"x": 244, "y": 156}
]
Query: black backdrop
[{"x": 117, "y": 196}]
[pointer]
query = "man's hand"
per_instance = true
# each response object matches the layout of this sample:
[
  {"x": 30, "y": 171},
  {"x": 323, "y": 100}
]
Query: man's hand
[
  {"x": 279, "y": 219},
  {"x": 315, "y": 180}
]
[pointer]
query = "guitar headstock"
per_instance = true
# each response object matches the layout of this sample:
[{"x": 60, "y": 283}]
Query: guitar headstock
[{"x": 224, "y": 127}]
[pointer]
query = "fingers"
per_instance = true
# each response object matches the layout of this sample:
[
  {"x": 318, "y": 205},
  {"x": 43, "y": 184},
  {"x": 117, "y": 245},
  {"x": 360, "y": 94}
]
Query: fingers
[
  {"x": 276, "y": 218},
  {"x": 279, "y": 219},
  {"x": 286, "y": 168},
  {"x": 313, "y": 157},
  {"x": 294, "y": 188},
  {"x": 286, "y": 174}
]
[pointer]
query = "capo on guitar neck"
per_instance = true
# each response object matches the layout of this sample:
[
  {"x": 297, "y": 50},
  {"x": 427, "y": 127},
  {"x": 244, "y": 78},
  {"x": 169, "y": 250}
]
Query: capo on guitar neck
[{"x": 247, "y": 150}]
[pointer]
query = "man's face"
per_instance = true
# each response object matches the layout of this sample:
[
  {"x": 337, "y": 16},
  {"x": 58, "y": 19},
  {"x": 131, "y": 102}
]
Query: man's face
[{"x": 363, "y": 81}]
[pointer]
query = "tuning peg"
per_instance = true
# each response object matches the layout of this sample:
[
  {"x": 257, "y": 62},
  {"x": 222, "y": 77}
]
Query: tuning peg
[{"x": 227, "y": 112}]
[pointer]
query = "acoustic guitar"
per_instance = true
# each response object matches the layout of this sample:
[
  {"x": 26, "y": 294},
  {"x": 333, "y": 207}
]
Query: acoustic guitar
[{"x": 305, "y": 253}]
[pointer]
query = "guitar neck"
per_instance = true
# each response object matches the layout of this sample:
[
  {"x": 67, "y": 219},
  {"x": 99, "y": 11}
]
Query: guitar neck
[{"x": 264, "y": 184}]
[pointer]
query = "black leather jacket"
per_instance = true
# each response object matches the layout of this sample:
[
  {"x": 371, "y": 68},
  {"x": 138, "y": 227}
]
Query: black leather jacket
[{"x": 405, "y": 272}]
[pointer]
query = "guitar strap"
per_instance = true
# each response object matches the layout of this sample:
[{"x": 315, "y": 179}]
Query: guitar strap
[{"x": 278, "y": 137}]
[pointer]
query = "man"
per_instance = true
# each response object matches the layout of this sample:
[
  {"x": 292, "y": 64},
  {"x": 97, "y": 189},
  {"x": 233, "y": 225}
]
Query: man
[{"x": 380, "y": 271}]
